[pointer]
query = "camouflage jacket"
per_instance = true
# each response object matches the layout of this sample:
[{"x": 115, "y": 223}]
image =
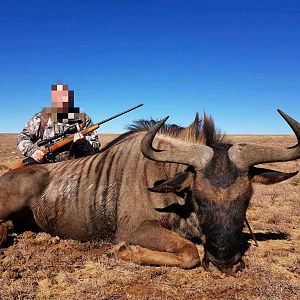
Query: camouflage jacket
[{"x": 35, "y": 131}]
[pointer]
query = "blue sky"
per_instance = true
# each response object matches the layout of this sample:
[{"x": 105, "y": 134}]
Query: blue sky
[{"x": 236, "y": 60}]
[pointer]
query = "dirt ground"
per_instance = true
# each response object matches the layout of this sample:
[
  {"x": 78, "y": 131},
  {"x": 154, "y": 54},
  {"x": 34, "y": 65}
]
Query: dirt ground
[{"x": 39, "y": 266}]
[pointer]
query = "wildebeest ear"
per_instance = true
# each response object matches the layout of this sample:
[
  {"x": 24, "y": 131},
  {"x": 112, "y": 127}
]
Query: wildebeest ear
[
  {"x": 176, "y": 184},
  {"x": 266, "y": 176}
]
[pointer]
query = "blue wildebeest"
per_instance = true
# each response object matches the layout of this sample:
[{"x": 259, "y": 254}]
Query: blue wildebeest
[{"x": 151, "y": 191}]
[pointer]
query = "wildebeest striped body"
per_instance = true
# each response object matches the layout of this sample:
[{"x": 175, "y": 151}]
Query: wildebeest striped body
[
  {"x": 105, "y": 196},
  {"x": 155, "y": 194}
]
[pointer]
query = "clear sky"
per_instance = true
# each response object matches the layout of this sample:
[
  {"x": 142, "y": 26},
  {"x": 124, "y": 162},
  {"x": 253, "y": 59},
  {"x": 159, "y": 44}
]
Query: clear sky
[{"x": 236, "y": 60}]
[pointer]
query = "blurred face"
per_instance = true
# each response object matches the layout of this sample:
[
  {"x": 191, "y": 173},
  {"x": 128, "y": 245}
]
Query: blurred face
[{"x": 62, "y": 98}]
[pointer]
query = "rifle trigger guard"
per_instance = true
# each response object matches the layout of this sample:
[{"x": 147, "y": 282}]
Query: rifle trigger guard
[{"x": 50, "y": 157}]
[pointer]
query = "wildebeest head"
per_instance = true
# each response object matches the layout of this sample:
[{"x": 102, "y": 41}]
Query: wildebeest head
[{"x": 219, "y": 178}]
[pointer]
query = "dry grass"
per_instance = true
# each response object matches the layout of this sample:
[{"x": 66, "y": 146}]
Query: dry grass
[{"x": 38, "y": 266}]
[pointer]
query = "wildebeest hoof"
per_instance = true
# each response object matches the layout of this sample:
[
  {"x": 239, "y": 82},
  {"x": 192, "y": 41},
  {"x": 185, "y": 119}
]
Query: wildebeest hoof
[
  {"x": 117, "y": 249},
  {"x": 3, "y": 234}
]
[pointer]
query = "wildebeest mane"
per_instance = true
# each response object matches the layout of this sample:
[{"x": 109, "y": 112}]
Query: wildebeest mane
[
  {"x": 145, "y": 125},
  {"x": 201, "y": 131}
]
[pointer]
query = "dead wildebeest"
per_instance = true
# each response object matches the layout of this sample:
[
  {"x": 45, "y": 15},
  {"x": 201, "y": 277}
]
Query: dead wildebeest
[{"x": 152, "y": 190}]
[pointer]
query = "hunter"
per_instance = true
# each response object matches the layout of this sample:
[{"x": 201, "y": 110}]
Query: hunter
[{"x": 55, "y": 120}]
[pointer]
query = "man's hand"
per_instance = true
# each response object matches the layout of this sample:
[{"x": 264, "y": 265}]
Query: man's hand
[
  {"x": 38, "y": 155},
  {"x": 78, "y": 138}
]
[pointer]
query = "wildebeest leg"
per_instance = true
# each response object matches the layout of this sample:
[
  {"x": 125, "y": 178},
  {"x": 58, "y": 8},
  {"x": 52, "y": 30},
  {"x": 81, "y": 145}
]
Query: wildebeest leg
[
  {"x": 156, "y": 245},
  {"x": 20, "y": 190},
  {"x": 4, "y": 227},
  {"x": 3, "y": 234}
]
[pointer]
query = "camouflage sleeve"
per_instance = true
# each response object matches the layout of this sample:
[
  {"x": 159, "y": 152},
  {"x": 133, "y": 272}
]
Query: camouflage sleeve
[
  {"x": 92, "y": 144},
  {"x": 93, "y": 136},
  {"x": 29, "y": 136}
]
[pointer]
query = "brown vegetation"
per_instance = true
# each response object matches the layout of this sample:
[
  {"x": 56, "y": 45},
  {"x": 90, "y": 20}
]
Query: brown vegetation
[{"x": 38, "y": 266}]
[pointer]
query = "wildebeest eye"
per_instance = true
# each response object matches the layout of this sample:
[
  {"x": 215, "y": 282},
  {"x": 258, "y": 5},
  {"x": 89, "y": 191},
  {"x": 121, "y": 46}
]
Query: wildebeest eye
[
  {"x": 175, "y": 184},
  {"x": 181, "y": 193}
]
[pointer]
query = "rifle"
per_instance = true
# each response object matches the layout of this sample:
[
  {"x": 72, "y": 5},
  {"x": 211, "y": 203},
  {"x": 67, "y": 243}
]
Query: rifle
[{"x": 53, "y": 144}]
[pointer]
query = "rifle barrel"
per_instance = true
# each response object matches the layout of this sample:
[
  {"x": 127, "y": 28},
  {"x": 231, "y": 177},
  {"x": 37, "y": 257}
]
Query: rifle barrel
[{"x": 120, "y": 114}]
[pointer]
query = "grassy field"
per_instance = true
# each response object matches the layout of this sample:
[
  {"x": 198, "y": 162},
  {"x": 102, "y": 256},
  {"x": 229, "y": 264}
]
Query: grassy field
[{"x": 39, "y": 266}]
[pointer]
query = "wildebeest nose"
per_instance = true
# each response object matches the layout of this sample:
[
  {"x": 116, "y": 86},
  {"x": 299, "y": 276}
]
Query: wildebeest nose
[{"x": 228, "y": 266}]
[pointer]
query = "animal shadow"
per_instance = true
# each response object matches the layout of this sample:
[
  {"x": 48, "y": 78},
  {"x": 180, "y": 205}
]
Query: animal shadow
[
  {"x": 266, "y": 236},
  {"x": 260, "y": 237}
]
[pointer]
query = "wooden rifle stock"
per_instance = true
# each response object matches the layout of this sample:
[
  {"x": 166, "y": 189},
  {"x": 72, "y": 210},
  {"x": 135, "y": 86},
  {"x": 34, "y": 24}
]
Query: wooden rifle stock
[{"x": 67, "y": 140}]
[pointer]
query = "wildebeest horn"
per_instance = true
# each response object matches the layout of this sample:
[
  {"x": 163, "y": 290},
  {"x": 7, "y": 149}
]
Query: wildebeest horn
[
  {"x": 195, "y": 155},
  {"x": 246, "y": 155}
]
